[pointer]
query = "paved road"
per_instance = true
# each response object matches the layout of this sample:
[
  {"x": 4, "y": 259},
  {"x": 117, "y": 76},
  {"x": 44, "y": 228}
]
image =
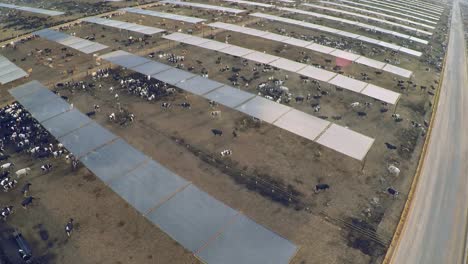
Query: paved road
[{"x": 435, "y": 231}]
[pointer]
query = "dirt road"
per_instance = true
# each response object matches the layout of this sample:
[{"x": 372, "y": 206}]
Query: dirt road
[{"x": 435, "y": 231}]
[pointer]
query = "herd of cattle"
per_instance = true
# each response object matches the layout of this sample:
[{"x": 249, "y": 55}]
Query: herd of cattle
[{"x": 20, "y": 133}]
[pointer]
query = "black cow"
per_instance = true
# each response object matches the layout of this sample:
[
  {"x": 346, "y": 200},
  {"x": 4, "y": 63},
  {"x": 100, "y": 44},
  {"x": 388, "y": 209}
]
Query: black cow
[
  {"x": 25, "y": 189},
  {"x": 26, "y": 202},
  {"x": 4, "y": 157},
  {"x": 392, "y": 191},
  {"x": 92, "y": 113},
  {"x": 42, "y": 154},
  {"x": 185, "y": 105},
  {"x": 217, "y": 132},
  {"x": 390, "y": 146},
  {"x": 321, "y": 187},
  {"x": 4, "y": 174},
  {"x": 69, "y": 227}
]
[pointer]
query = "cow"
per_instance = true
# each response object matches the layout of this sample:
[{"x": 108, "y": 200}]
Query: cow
[
  {"x": 212, "y": 103},
  {"x": 217, "y": 132},
  {"x": 165, "y": 105},
  {"x": 226, "y": 152},
  {"x": 215, "y": 113},
  {"x": 22, "y": 172},
  {"x": 390, "y": 146},
  {"x": 91, "y": 113},
  {"x": 321, "y": 187},
  {"x": 355, "y": 104},
  {"x": 392, "y": 192},
  {"x": 69, "y": 227},
  {"x": 10, "y": 184},
  {"x": 185, "y": 105},
  {"x": 394, "y": 170},
  {"x": 7, "y": 166},
  {"x": 397, "y": 117},
  {"x": 6, "y": 211},
  {"x": 26, "y": 202},
  {"x": 25, "y": 189},
  {"x": 4, "y": 157},
  {"x": 4, "y": 174},
  {"x": 299, "y": 99},
  {"x": 46, "y": 167}
]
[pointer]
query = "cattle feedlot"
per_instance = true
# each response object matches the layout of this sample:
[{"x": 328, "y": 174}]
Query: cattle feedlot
[{"x": 214, "y": 131}]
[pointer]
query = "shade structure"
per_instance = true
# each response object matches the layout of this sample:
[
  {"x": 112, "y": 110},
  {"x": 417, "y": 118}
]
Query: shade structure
[
  {"x": 73, "y": 42},
  {"x": 33, "y": 10},
  {"x": 229, "y": 96},
  {"x": 150, "y": 68},
  {"x": 263, "y": 109},
  {"x": 242, "y": 2},
  {"x": 65, "y": 123},
  {"x": 37, "y": 98},
  {"x": 112, "y": 160},
  {"x": 192, "y": 217},
  {"x": 346, "y": 141},
  {"x": 204, "y": 6},
  {"x": 300, "y": 123},
  {"x": 199, "y": 85},
  {"x": 50, "y": 109},
  {"x": 124, "y": 25},
  {"x": 147, "y": 186},
  {"x": 244, "y": 241},
  {"x": 171, "y": 16},
  {"x": 125, "y": 59},
  {"x": 9, "y": 71},
  {"x": 25, "y": 89},
  {"x": 173, "y": 76},
  {"x": 86, "y": 139}
]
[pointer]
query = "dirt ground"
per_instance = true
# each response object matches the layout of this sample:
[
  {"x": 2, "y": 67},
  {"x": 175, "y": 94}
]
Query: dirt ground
[{"x": 352, "y": 222}]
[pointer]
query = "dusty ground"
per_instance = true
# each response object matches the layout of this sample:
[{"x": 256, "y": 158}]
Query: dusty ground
[{"x": 329, "y": 227}]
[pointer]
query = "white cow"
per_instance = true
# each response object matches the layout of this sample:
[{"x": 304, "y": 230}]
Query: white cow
[
  {"x": 215, "y": 113},
  {"x": 394, "y": 170},
  {"x": 22, "y": 172},
  {"x": 7, "y": 166},
  {"x": 226, "y": 152},
  {"x": 355, "y": 104}
]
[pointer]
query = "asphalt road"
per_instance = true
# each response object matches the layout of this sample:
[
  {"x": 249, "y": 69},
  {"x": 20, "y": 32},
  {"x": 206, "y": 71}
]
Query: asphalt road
[{"x": 435, "y": 231}]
